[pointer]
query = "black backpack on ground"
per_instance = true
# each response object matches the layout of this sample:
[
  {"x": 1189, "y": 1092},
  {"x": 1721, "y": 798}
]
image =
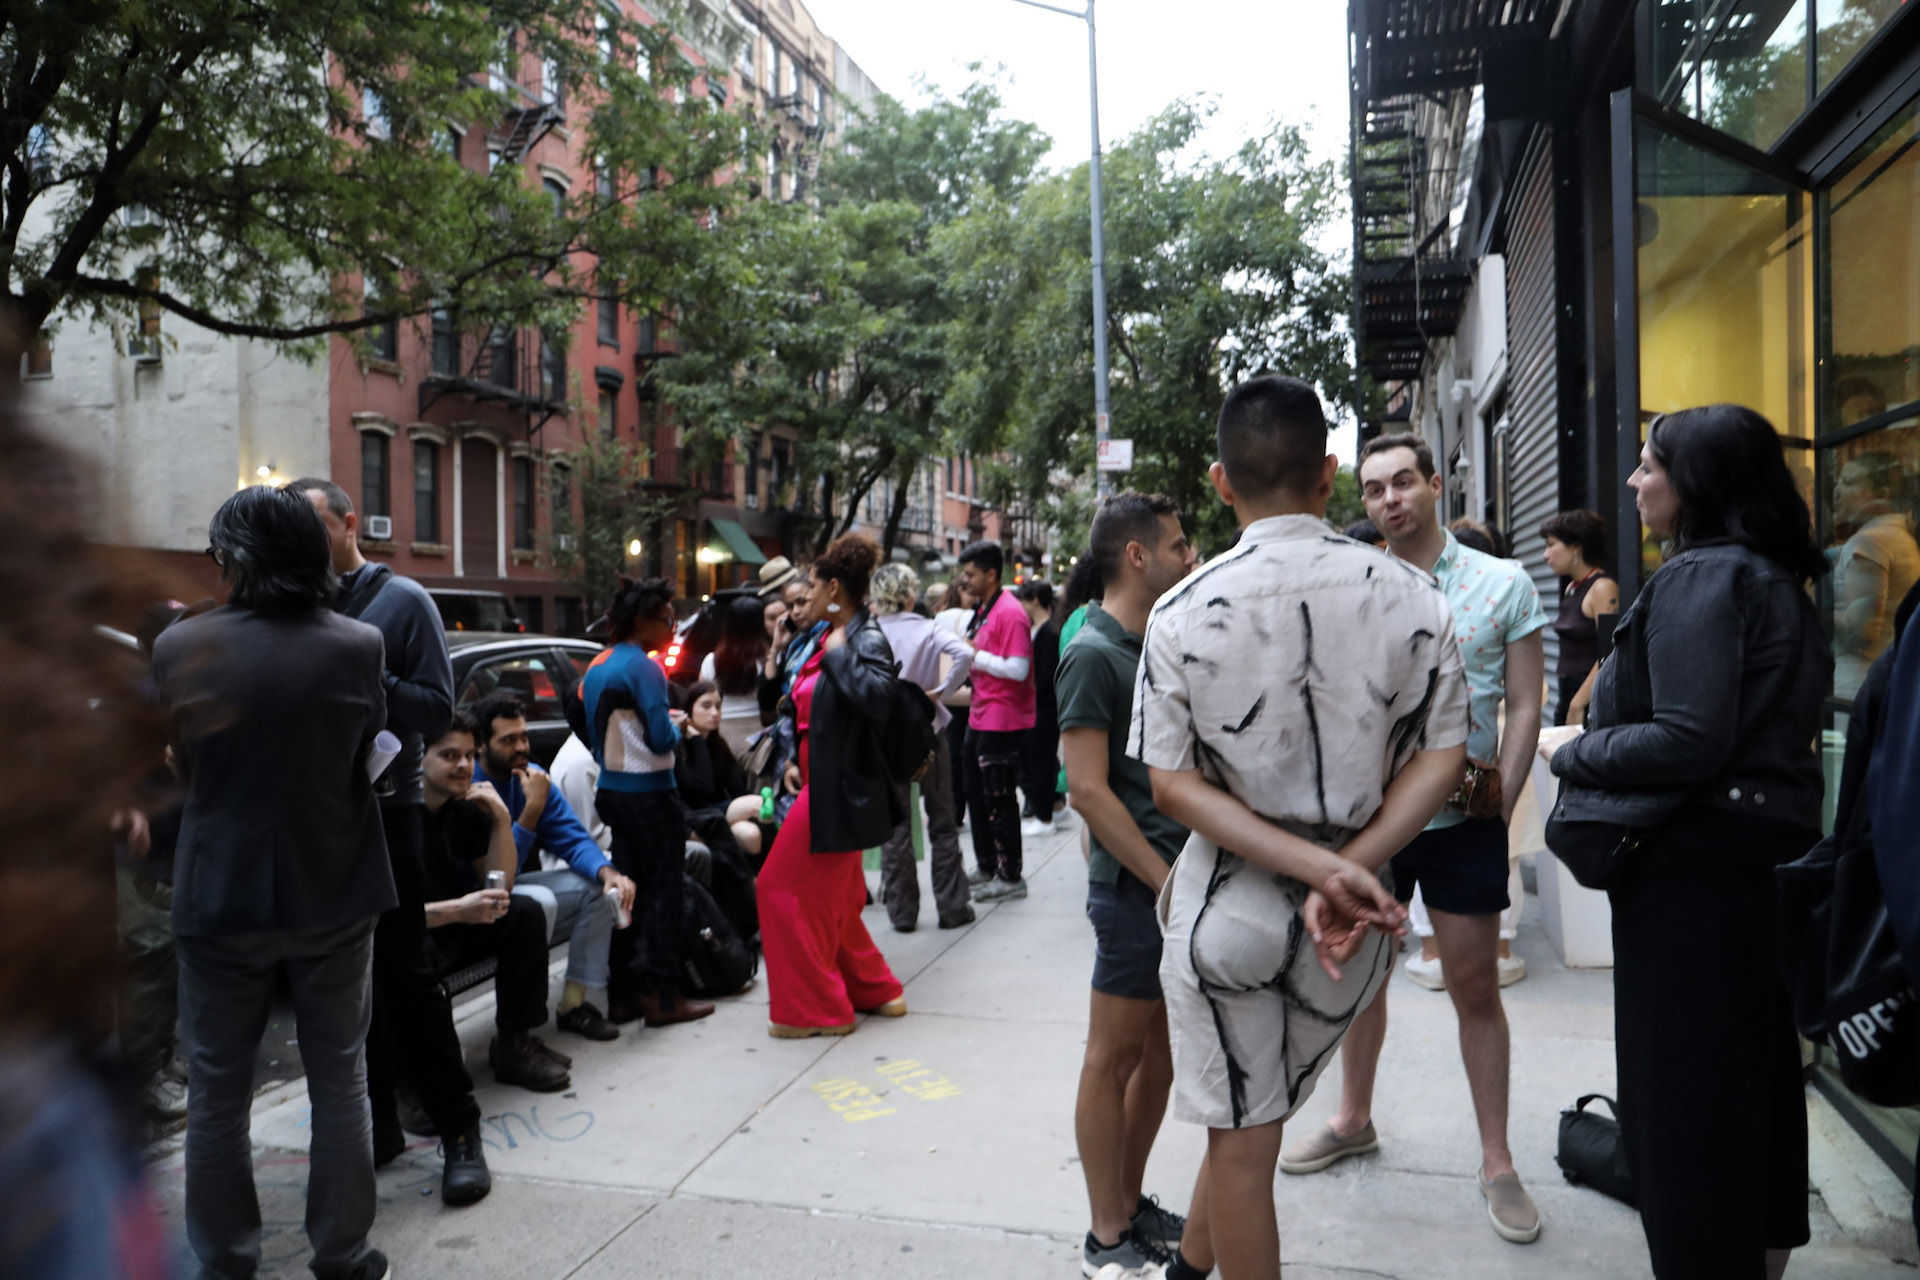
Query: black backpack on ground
[{"x": 715, "y": 960}]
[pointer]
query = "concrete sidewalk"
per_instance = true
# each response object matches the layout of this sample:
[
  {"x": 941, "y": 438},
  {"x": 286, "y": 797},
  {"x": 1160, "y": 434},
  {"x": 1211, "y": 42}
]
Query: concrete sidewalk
[{"x": 941, "y": 1144}]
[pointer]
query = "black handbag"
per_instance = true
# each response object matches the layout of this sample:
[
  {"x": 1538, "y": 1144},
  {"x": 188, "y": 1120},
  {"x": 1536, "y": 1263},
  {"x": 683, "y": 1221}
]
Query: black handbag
[
  {"x": 1592, "y": 850},
  {"x": 1590, "y": 1153}
]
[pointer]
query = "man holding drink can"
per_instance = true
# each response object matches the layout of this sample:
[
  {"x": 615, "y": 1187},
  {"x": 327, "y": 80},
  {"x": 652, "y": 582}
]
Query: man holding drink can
[{"x": 473, "y": 913}]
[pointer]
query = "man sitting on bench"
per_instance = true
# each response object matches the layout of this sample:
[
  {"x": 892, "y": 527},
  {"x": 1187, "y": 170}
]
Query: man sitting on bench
[
  {"x": 560, "y": 864},
  {"x": 469, "y": 833}
]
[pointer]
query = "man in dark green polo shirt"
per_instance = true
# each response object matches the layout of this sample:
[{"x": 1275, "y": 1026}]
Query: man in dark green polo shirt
[{"x": 1124, "y": 1082}]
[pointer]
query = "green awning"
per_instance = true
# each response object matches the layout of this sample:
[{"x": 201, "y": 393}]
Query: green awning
[{"x": 738, "y": 542}]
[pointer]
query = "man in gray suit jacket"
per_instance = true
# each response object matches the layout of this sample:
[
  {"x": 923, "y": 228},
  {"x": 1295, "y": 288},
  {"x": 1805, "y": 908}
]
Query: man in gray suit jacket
[{"x": 273, "y": 704}]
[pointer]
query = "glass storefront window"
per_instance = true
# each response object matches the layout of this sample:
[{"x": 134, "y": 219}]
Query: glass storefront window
[
  {"x": 1737, "y": 65},
  {"x": 1725, "y": 265},
  {"x": 1870, "y": 541},
  {"x": 1845, "y": 28},
  {"x": 1873, "y": 278},
  {"x": 1871, "y": 373}
]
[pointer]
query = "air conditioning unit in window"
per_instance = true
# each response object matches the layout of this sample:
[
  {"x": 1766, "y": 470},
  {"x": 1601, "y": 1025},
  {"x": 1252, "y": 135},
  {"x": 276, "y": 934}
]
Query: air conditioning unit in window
[
  {"x": 144, "y": 349},
  {"x": 563, "y": 542},
  {"x": 380, "y": 528},
  {"x": 753, "y": 502}
]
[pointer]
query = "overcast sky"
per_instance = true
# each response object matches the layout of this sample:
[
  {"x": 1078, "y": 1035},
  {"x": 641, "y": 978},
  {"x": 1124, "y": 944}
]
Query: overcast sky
[{"x": 1259, "y": 60}]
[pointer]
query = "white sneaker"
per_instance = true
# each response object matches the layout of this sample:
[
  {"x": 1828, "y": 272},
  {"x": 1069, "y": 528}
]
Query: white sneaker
[
  {"x": 1036, "y": 827},
  {"x": 1114, "y": 1271},
  {"x": 1427, "y": 973},
  {"x": 1512, "y": 969}
]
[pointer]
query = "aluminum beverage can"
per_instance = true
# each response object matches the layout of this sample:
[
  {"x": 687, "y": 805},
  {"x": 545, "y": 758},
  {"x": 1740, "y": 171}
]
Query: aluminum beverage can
[
  {"x": 621, "y": 916},
  {"x": 496, "y": 879}
]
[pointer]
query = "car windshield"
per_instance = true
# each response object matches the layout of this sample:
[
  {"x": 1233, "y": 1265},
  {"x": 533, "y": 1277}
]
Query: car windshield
[{"x": 476, "y": 613}]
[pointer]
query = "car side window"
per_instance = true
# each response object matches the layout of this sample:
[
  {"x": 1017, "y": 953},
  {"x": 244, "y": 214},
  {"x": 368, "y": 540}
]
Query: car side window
[{"x": 531, "y": 676}]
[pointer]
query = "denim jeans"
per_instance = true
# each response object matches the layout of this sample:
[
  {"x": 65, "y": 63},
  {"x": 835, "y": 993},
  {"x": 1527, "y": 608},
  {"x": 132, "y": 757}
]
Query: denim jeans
[{"x": 579, "y": 911}]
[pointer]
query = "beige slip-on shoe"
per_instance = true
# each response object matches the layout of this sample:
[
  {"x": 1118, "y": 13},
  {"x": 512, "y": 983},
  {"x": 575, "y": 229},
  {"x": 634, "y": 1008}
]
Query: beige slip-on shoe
[{"x": 1312, "y": 1154}]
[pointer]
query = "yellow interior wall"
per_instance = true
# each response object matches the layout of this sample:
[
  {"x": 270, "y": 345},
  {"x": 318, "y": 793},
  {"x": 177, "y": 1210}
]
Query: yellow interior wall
[{"x": 1723, "y": 311}]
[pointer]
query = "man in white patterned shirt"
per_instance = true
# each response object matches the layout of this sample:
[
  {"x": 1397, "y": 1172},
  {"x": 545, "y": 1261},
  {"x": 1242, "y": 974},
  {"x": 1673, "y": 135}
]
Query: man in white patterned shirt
[{"x": 1302, "y": 706}]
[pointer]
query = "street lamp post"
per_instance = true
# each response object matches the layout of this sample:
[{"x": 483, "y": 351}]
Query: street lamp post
[{"x": 1101, "y": 420}]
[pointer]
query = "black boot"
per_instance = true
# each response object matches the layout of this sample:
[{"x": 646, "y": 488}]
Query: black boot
[
  {"x": 517, "y": 1058},
  {"x": 465, "y": 1178}
]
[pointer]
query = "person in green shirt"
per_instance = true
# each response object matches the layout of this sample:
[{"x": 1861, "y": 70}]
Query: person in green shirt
[{"x": 1128, "y": 1071}]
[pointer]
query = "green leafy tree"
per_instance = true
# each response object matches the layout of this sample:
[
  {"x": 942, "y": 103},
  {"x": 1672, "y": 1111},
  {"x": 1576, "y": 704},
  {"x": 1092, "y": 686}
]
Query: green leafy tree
[
  {"x": 291, "y": 169},
  {"x": 591, "y": 543},
  {"x": 834, "y": 321},
  {"x": 1215, "y": 273},
  {"x": 1344, "y": 507}
]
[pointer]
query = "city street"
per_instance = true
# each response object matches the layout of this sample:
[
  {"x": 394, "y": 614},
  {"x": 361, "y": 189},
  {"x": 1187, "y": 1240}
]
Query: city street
[{"x": 941, "y": 1145}]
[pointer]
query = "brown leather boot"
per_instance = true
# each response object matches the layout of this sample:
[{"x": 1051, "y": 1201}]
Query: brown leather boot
[{"x": 677, "y": 1008}]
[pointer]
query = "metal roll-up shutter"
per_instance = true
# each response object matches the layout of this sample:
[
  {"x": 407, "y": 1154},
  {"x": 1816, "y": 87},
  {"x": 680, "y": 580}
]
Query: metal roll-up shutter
[{"x": 1533, "y": 374}]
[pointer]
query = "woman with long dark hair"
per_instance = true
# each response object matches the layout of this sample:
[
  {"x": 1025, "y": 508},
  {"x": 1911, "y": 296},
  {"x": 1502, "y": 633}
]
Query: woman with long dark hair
[
  {"x": 734, "y": 668},
  {"x": 1699, "y": 742},
  {"x": 822, "y": 966}
]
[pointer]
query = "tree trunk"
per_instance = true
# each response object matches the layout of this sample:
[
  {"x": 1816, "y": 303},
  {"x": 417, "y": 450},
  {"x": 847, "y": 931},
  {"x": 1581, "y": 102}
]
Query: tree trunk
[{"x": 896, "y": 512}]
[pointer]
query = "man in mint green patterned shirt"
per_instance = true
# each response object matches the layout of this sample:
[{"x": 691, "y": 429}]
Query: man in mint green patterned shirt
[{"x": 1458, "y": 863}]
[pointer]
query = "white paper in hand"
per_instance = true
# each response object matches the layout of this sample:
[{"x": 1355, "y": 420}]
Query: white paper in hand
[{"x": 385, "y": 747}]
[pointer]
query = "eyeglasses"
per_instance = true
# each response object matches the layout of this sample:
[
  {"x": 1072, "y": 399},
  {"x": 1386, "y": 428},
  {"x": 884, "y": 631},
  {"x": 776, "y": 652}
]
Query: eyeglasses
[{"x": 217, "y": 556}]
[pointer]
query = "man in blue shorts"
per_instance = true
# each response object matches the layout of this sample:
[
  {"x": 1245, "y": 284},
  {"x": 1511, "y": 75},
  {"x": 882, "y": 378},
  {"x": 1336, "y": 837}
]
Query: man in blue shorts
[{"x": 1128, "y": 1072}]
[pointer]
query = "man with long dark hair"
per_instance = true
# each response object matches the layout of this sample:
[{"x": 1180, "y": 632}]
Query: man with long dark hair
[
  {"x": 412, "y": 1016},
  {"x": 274, "y": 703}
]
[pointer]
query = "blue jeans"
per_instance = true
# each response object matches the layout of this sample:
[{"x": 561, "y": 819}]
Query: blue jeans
[{"x": 579, "y": 911}]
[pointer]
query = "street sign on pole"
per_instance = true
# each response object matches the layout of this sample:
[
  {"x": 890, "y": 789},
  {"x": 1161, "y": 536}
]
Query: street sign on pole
[{"x": 1116, "y": 455}]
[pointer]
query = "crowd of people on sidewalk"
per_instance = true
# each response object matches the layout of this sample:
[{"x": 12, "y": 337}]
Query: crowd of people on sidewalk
[{"x": 296, "y": 799}]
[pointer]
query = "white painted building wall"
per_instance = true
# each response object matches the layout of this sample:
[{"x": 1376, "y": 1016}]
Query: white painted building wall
[{"x": 173, "y": 438}]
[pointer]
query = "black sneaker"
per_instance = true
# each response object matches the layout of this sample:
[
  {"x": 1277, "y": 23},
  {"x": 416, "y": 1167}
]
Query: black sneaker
[
  {"x": 1157, "y": 1224},
  {"x": 585, "y": 1020},
  {"x": 1131, "y": 1254},
  {"x": 518, "y": 1058},
  {"x": 372, "y": 1267},
  {"x": 466, "y": 1178},
  {"x": 958, "y": 919}
]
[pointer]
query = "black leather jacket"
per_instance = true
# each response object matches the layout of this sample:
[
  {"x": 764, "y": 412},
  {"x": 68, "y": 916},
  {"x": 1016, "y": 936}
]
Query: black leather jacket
[
  {"x": 853, "y": 801},
  {"x": 1711, "y": 696}
]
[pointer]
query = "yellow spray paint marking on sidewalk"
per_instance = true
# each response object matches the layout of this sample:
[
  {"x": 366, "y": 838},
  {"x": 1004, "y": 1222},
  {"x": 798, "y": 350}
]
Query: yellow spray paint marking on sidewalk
[
  {"x": 853, "y": 1100},
  {"x": 919, "y": 1081}
]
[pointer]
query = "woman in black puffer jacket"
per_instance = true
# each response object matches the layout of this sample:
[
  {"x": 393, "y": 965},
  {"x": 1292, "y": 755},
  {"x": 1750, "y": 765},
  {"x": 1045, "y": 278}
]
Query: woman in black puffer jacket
[
  {"x": 822, "y": 966},
  {"x": 1700, "y": 740}
]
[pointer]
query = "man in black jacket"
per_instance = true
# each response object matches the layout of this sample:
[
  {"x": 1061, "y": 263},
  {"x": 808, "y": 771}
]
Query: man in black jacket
[
  {"x": 412, "y": 1017},
  {"x": 273, "y": 703}
]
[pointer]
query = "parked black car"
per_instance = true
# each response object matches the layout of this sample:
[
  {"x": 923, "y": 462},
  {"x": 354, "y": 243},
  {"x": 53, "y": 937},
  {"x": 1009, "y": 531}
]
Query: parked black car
[
  {"x": 538, "y": 668},
  {"x": 463, "y": 610}
]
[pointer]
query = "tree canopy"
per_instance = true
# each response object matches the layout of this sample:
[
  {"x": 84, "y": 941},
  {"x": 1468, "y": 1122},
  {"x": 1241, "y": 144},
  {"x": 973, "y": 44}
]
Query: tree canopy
[
  {"x": 286, "y": 171},
  {"x": 1215, "y": 272}
]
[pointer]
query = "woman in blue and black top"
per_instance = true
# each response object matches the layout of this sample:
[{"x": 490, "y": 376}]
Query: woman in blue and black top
[{"x": 633, "y": 733}]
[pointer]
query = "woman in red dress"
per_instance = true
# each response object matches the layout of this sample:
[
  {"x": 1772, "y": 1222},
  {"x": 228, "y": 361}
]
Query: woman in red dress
[{"x": 822, "y": 966}]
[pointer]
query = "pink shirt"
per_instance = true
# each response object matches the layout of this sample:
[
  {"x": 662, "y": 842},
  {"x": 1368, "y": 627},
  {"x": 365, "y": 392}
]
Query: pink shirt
[{"x": 1000, "y": 706}]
